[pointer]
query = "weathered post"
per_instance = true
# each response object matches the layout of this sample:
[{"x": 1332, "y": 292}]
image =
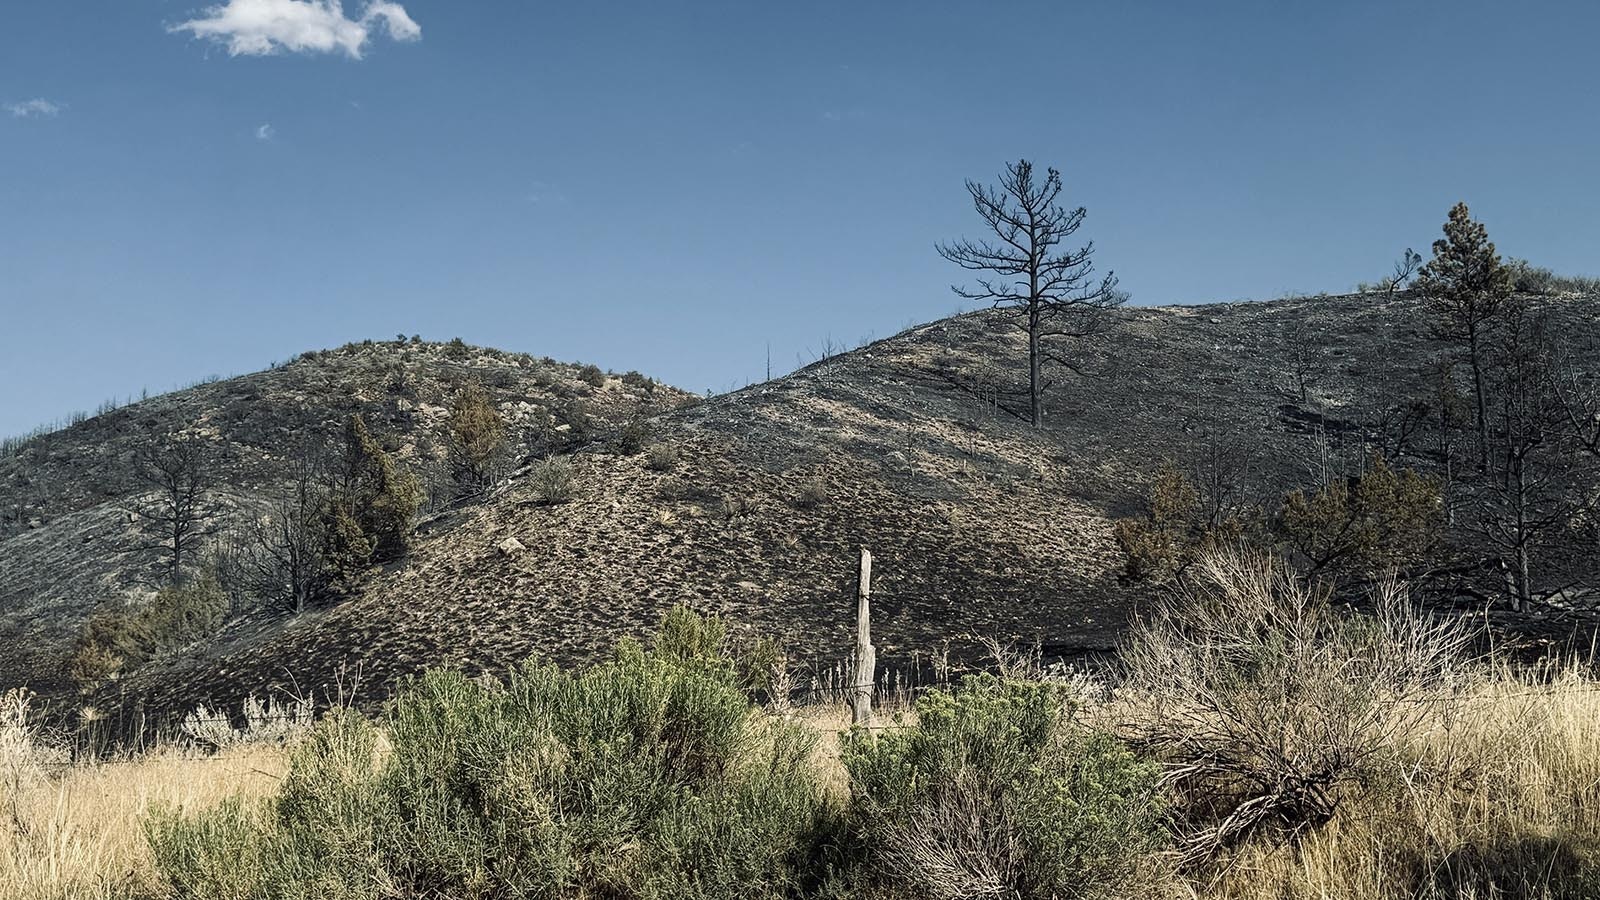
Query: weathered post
[{"x": 866, "y": 659}]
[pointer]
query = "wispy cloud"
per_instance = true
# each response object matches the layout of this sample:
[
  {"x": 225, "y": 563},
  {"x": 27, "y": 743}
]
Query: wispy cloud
[
  {"x": 854, "y": 114},
  {"x": 266, "y": 133},
  {"x": 265, "y": 27},
  {"x": 36, "y": 107},
  {"x": 545, "y": 193}
]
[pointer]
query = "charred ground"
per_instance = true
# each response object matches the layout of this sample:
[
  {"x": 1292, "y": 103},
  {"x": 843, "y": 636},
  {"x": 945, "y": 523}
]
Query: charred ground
[{"x": 753, "y": 504}]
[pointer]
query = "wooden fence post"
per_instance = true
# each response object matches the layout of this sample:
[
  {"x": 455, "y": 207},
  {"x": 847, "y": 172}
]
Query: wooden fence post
[{"x": 866, "y": 658}]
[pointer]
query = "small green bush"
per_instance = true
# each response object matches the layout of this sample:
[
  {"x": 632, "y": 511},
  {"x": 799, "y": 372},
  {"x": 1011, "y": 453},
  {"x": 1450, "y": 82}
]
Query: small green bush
[
  {"x": 553, "y": 480},
  {"x": 632, "y": 437},
  {"x": 661, "y": 458},
  {"x": 113, "y": 641},
  {"x": 592, "y": 376},
  {"x": 579, "y": 421},
  {"x": 995, "y": 792},
  {"x": 813, "y": 493},
  {"x": 648, "y": 776}
]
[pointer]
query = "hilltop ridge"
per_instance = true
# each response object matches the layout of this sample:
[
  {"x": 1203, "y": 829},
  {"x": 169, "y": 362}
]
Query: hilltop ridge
[{"x": 753, "y": 504}]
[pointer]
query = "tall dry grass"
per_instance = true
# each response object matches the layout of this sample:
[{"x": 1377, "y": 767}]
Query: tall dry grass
[
  {"x": 74, "y": 831},
  {"x": 1498, "y": 797}
]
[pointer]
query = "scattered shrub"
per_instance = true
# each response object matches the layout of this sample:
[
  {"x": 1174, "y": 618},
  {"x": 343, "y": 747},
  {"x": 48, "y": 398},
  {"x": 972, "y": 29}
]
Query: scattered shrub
[
  {"x": 1530, "y": 279},
  {"x": 735, "y": 506},
  {"x": 763, "y": 670},
  {"x": 1265, "y": 702},
  {"x": 457, "y": 349},
  {"x": 632, "y": 437},
  {"x": 376, "y": 504},
  {"x": 26, "y": 757},
  {"x": 661, "y": 458},
  {"x": 261, "y": 722},
  {"x": 1158, "y": 543},
  {"x": 1366, "y": 525},
  {"x": 553, "y": 480},
  {"x": 578, "y": 422},
  {"x": 592, "y": 376},
  {"x": 115, "y": 640},
  {"x": 476, "y": 441},
  {"x": 995, "y": 792},
  {"x": 814, "y": 492}
]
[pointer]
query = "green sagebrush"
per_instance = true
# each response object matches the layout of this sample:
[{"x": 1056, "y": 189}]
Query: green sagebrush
[
  {"x": 995, "y": 791},
  {"x": 649, "y": 775}
]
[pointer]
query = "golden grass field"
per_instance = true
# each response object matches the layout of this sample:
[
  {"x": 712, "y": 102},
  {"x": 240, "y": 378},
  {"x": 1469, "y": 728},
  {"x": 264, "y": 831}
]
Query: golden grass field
[
  {"x": 75, "y": 832},
  {"x": 1500, "y": 797}
]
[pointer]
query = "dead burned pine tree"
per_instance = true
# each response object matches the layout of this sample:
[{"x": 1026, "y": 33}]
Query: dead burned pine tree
[
  {"x": 176, "y": 513},
  {"x": 1405, "y": 268},
  {"x": 284, "y": 561},
  {"x": 1539, "y": 484},
  {"x": 1025, "y": 269}
]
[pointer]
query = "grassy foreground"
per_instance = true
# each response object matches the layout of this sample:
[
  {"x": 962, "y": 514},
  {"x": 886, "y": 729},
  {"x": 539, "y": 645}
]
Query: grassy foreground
[{"x": 653, "y": 775}]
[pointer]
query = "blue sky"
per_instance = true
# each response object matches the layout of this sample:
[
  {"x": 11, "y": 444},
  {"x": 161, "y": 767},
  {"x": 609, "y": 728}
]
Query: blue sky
[{"x": 673, "y": 187}]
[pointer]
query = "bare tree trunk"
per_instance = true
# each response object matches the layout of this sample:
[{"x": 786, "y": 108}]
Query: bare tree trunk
[
  {"x": 1523, "y": 568},
  {"x": 1477, "y": 387},
  {"x": 1447, "y": 493},
  {"x": 1035, "y": 402}
]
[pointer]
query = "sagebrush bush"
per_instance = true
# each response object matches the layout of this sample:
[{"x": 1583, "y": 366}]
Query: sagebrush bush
[
  {"x": 553, "y": 480},
  {"x": 661, "y": 458},
  {"x": 649, "y": 775},
  {"x": 632, "y": 438},
  {"x": 996, "y": 792},
  {"x": 26, "y": 758},
  {"x": 269, "y": 721},
  {"x": 591, "y": 375},
  {"x": 115, "y": 640},
  {"x": 1266, "y": 702},
  {"x": 813, "y": 493}
]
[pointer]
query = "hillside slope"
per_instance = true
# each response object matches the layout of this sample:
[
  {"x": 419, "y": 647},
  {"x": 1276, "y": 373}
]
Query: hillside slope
[
  {"x": 754, "y": 504},
  {"x": 65, "y": 531},
  {"x": 911, "y": 447}
]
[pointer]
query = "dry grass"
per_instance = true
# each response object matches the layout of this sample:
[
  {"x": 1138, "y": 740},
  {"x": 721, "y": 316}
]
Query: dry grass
[
  {"x": 74, "y": 832},
  {"x": 1498, "y": 797}
]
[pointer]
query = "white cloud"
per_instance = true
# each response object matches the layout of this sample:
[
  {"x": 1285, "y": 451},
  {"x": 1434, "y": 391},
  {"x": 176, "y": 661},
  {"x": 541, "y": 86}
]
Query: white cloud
[
  {"x": 543, "y": 192},
  {"x": 266, "y": 133},
  {"x": 36, "y": 107},
  {"x": 265, "y": 27}
]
